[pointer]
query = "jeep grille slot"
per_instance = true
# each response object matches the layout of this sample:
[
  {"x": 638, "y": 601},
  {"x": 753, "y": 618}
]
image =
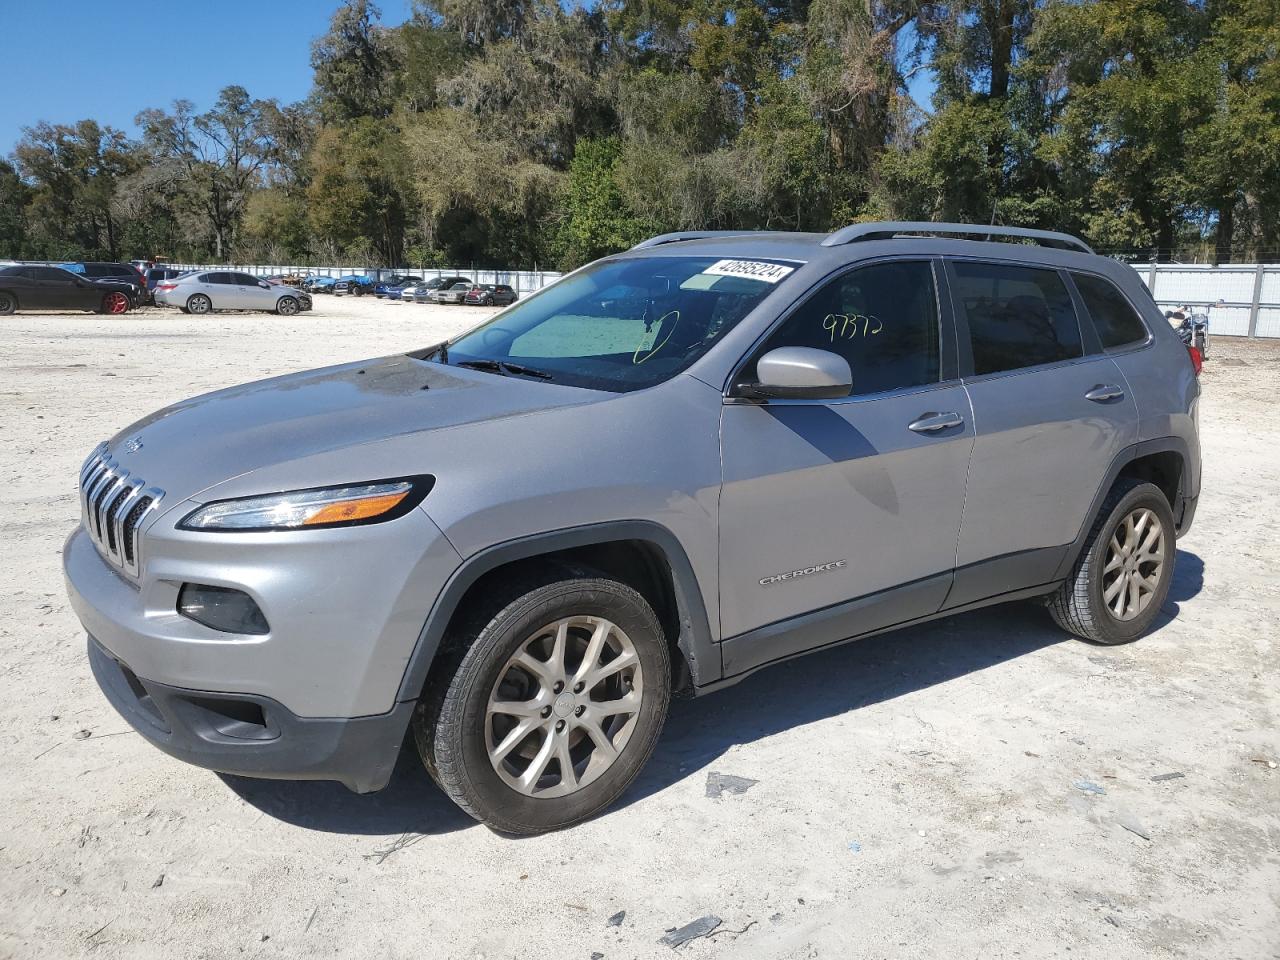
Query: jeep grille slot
[{"x": 113, "y": 503}]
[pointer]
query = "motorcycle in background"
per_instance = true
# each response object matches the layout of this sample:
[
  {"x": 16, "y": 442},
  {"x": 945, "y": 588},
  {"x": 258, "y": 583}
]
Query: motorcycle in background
[{"x": 1192, "y": 327}]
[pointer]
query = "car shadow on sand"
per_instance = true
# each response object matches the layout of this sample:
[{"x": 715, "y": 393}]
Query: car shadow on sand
[{"x": 814, "y": 687}]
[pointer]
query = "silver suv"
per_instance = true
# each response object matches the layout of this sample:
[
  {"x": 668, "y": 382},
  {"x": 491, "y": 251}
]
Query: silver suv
[{"x": 665, "y": 471}]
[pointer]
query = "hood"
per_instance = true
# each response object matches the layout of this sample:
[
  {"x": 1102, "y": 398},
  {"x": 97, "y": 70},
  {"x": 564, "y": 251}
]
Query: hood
[{"x": 192, "y": 445}]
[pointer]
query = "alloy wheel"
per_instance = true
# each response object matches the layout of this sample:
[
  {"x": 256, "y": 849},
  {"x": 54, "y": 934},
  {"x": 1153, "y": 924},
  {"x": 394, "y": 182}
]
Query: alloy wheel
[
  {"x": 1134, "y": 564},
  {"x": 564, "y": 706}
]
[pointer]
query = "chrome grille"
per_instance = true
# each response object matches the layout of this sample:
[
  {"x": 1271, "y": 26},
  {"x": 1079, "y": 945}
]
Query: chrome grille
[{"x": 113, "y": 503}]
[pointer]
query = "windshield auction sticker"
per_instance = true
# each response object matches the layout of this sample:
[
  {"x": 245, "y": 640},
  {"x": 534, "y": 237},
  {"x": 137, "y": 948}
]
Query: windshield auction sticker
[{"x": 749, "y": 270}]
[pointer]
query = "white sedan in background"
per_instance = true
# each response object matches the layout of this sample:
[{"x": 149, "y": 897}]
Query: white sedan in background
[{"x": 204, "y": 291}]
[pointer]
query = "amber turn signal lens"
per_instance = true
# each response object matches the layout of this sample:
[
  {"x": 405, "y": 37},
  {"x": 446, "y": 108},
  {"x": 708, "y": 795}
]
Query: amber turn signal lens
[{"x": 346, "y": 511}]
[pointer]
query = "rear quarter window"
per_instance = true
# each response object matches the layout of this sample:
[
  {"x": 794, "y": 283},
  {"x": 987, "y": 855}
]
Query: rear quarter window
[
  {"x": 1113, "y": 316},
  {"x": 1017, "y": 316}
]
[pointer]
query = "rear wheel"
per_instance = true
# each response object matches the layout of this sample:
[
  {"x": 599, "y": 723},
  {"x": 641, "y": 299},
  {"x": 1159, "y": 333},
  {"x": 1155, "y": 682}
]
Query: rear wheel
[
  {"x": 1122, "y": 576},
  {"x": 287, "y": 306},
  {"x": 555, "y": 704},
  {"x": 115, "y": 303},
  {"x": 199, "y": 303},
  {"x": 8, "y": 303}
]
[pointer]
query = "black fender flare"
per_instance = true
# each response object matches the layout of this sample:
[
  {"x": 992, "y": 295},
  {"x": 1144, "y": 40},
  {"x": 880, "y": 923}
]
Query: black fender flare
[
  {"x": 695, "y": 640},
  {"x": 1123, "y": 459}
]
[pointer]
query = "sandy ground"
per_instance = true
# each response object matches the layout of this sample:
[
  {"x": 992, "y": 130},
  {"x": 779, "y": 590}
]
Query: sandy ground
[{"x": 916, "y": 793}]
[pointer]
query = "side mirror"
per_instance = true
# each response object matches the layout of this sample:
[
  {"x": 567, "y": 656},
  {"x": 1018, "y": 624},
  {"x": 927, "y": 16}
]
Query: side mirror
[{"x": 802, "y": 373}]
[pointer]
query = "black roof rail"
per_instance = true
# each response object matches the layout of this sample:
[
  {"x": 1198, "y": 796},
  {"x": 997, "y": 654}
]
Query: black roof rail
[
  {"x": 887, "y": 230},
  {"x": 688, "y": 235}
]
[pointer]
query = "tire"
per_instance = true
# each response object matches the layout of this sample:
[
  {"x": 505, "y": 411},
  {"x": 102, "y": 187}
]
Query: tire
[
  {"x": 199, "y": 304},
  {"x": 8, "y": 304},
  {"x": 287, "y": 306},
  {"x": 1081, "y": 605},
  {"x": 455, "y": 730}
]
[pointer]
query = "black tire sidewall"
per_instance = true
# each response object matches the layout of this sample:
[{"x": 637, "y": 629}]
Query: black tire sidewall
[
  {"x": 1121, "y": 631},
  {"x": 497, "y": 803}
]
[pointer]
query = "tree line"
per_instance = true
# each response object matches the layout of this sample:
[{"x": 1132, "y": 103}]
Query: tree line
[{"x": 505, "y": 133}]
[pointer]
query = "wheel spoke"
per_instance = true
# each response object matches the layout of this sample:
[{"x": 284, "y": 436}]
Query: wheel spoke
[
  {"x": 628, "y": 703},
  {"x": 595, "y": 646},
  {"x": 538, "y": 765},
  {"x": 568, "y": 777},
  {"x": 604, "y": 746},
  {"x": 516, "y": 708},
  {"x": 623, "y": 660},
  {"x": 512, "y": 739}
]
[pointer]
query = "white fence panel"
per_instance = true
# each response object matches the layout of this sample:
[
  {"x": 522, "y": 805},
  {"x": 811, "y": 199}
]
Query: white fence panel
[{"x": 1250, "y": 294}]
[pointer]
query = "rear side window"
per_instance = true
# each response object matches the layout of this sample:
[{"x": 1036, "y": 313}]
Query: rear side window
[
  {"x": 1017, "y": 316},
  {"x": 882, "y": 318},
  {"x": 1117, "y": 323}
]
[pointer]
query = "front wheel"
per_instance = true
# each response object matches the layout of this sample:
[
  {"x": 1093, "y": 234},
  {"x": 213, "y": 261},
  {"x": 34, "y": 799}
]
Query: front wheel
[
  {"x": 1122, "y": 576},
  {"x": 287, "y": 306},
  {"x": 554, "y": 706},
  {"x": 198, "y": 303}
]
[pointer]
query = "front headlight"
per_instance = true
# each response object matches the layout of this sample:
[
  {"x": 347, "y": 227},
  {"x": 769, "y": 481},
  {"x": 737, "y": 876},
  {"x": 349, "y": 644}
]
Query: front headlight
[{"x": 313, "y": 509}]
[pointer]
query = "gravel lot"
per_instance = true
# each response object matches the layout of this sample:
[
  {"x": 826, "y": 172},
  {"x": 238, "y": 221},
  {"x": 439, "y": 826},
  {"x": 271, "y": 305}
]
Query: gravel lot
[{"x": 916, "y": 792}]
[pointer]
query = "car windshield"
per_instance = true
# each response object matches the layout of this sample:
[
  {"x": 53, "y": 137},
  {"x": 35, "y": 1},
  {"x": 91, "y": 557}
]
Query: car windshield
[{"x": 620, "y": 325}]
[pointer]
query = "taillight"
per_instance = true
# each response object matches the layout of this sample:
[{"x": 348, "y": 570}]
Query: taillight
[{"x": 1197, "y": 358}]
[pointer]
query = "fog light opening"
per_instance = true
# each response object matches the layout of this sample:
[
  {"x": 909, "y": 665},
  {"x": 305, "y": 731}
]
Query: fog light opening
[{"x": 222, "y": 608}]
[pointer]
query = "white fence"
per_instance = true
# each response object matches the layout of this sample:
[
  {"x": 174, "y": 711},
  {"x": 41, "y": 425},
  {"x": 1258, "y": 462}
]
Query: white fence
[
  {"x": 1251, "y": 294},
  {"x": 524, "y": 281}
]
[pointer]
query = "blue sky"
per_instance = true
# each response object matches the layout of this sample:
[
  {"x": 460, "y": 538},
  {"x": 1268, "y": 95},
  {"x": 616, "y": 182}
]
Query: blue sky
[{"x": 65, "y": 60}]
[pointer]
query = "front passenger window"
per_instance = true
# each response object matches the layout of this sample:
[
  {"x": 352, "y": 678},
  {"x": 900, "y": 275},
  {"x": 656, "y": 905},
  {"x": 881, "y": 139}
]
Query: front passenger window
[
  {"x": 1017, "y": 316},
  {"x": 882, "y": 318}
]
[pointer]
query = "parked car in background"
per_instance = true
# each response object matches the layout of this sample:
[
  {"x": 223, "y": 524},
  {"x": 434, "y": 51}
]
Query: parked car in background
[
  {"x": 490, "y": 295},
  {"x": 319, "y": 284},
  {"x": 125, "y": 275},
  {"x": 384, "y": 286},
  {"x": 357, "y": 285},
  {"x": 54, "y": 288},
  {"x": 425, "y": 292},
  {"x": 454, "y": 293},
  {"x": 227, "y": 290}
]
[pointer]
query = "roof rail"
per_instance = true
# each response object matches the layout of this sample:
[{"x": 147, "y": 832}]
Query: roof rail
[
  {"x": 887, "y": 230},
  {"x": 687, "y": 235}
]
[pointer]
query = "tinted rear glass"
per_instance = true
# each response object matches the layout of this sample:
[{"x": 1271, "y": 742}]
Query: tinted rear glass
[
  {"x": 1117, "y": 323},
  {"x": 1017, "y": 316}
]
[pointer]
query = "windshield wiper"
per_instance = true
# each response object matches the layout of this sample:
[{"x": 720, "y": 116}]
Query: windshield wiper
[{"x": 504, "y": 367}]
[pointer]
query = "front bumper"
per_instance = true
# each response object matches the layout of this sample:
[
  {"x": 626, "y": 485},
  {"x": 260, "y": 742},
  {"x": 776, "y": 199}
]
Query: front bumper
[
  {"x": 345, "y": 609},
  {"x": 252, "y": 736}
]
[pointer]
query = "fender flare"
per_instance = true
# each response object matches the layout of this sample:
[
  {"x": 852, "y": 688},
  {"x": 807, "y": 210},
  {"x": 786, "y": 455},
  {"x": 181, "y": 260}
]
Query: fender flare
[
  {"x": 1123, "y": 459},
  {"x": 695, "y": 640}
]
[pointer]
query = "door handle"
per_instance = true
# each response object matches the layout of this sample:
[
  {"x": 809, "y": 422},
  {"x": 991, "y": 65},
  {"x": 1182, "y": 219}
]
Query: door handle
[
  {"x": 1103, "y": 392},
  {"x": 933, "y": 422}
]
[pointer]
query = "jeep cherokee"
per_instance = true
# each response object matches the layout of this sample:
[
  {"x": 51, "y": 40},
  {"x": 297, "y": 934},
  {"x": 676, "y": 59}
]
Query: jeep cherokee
[{"x": 669, "y": 469}]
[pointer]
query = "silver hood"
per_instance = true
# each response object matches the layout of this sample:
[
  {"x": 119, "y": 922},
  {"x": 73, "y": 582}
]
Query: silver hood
[{"x": 198, "y": 443}]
